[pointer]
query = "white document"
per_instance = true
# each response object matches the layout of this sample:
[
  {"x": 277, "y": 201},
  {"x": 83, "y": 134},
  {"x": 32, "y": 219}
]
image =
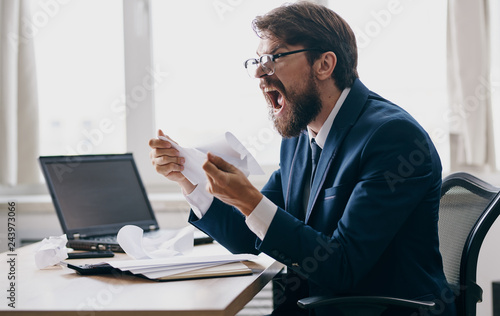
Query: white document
[
  {"x": 229, "y": 148},
  {"x": 166, "y": 263},
  {"x": 164, "y": 267}
]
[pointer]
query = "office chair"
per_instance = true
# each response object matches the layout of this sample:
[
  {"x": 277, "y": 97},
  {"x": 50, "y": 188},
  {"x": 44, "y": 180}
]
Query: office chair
[{"x": 468, "y": 208}]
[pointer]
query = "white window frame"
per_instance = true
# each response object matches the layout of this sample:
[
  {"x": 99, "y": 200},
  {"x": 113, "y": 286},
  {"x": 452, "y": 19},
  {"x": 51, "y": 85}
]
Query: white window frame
[{"x": 139, "y": 84}]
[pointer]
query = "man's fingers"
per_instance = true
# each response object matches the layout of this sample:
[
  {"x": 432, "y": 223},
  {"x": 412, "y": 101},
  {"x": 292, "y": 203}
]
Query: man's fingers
[
  {"x": 158, "y": 152},
  {"x": 165, "y": 160},
  {"x": 160, "y": 133},
  {"x": 161, "y": 143},
  {"x": 217, "y": 178},
  {"x": 211, "y": 172},
  {"x": 158, "y": 143},
  {"x": 169, "y": 169},
  {"x": 220, "y": 163},
  {"x": 210, "y": 169}
]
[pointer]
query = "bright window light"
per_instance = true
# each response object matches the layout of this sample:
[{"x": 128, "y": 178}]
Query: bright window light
[
  {"x": 402, "y": 57},
  {"x": 79, "y": 56},
  {"x": 202, "y": 45}
]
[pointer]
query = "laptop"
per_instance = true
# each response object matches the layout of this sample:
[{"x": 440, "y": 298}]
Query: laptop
[{"x": 96, "y": 195}]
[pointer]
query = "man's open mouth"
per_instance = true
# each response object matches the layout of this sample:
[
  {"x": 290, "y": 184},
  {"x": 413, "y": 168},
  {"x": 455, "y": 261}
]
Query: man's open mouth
[{"x": 275, "y": 99}]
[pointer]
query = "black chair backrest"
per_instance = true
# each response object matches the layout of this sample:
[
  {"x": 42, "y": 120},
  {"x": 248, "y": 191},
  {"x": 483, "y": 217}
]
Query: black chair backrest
[{"x": 468, "y": 208}]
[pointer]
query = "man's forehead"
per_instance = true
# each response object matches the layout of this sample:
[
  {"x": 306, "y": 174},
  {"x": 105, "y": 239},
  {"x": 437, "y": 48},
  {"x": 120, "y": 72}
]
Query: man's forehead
[{"x": 269, "y": 45}]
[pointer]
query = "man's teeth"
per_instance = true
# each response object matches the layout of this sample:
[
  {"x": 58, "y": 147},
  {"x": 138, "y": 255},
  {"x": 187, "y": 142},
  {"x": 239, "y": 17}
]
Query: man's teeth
[
  {"x": 275, "y": 97},
  {"x": 280, "y": 100}
]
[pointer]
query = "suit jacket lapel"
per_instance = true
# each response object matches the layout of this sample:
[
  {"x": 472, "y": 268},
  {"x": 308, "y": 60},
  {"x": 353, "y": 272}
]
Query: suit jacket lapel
[
  {"x": 327, "y": 156},
  {"x": 347, "y": 116},
  {"x": 298, "y": 179}
]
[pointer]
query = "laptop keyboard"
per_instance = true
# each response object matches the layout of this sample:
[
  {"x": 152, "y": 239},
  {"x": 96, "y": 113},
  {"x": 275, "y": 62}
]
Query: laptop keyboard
[
  {"x": 112, "y": 238},
  {"x": 108, "y": 238}
]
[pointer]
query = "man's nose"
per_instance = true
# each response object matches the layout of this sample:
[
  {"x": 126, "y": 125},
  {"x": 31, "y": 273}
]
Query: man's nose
[{"x": 260, "y": 73}]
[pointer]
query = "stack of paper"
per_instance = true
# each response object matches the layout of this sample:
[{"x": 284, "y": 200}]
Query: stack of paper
[{"x": 186, "y": 267}]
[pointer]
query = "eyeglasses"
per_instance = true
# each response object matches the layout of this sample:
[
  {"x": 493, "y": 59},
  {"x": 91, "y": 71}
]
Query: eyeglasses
[{"x": 267, "y": 64}]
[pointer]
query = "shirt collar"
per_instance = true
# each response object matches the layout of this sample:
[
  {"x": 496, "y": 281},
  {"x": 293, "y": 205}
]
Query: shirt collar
[{"x": 325, "y": 129}]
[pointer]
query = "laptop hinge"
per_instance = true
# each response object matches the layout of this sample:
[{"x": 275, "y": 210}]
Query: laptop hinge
[
  {"x": 76, "y": 236},
  {"x": 152, "y": 227}
]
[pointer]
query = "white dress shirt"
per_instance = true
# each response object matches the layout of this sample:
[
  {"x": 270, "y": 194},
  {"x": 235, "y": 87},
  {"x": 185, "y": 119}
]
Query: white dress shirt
[{"x": 260, "y": 219}]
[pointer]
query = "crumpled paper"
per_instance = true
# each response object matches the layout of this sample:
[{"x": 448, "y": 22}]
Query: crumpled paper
[
  {"x": 51, "y": 251},
  {"x": 228, "y": 148},
  {"x": 162, "y": 244}
]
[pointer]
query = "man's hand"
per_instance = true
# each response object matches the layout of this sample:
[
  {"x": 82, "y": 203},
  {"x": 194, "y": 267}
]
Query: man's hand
[
  {"x": 230, "y": 185},
  {"x": 167, "y": 162}
]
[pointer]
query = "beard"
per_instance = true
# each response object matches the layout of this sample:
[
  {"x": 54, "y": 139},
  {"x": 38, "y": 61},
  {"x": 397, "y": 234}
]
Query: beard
[{"x": 302, "y": 109}]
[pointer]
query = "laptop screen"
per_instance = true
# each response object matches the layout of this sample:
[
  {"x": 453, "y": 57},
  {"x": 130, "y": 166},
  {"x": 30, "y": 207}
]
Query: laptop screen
[{"x": 98, "y": 194}]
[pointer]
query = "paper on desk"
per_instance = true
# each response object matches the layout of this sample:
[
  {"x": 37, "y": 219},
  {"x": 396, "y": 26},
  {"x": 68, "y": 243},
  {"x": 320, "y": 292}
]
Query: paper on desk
[
  {"x": 163, "y": 245},
  {"x": 229, "y": 148},
  {"x": 51, "y": 251},
  {"x": 186, "y": 260},
  {"x": 163, "y": 267}
]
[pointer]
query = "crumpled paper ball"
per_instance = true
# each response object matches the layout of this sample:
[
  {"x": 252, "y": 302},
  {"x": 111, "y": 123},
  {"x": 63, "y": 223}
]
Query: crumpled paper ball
[
  {"x": 164, "y": 244},
  {"x": 51, "y": 251}
]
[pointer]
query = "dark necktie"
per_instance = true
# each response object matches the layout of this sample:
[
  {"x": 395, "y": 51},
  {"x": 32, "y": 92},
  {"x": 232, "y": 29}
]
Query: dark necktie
[{"x": 316, "y": 152}]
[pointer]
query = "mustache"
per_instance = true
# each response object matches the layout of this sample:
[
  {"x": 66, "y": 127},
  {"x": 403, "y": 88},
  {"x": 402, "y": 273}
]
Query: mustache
[{"x": 276, "y": 84}]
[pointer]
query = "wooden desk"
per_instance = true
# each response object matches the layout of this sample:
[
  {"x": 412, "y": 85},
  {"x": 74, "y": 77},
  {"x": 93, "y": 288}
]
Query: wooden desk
[{"x": 60, "y": 291}]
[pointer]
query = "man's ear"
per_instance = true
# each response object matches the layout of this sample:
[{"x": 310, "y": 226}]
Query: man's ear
[{"x": 325, "y": 65}]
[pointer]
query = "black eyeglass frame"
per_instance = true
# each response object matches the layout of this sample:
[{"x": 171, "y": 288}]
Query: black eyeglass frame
[{"x": 276, "y": 56}]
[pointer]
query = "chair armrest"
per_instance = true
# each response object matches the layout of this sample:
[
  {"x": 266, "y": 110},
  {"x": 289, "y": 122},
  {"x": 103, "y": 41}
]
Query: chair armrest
[{"x": 358, "y": 301}]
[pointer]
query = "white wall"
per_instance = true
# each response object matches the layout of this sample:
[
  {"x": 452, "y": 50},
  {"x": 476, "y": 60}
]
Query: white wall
[{"x": 489, "y": 268}]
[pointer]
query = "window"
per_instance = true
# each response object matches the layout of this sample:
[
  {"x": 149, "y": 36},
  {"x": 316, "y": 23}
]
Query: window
[
  {"x": 199, "y": 48},
  {"x": 202, "y": 46},
  {"x": 403, "y": 59},
  {"x": 79, "y": 55}
]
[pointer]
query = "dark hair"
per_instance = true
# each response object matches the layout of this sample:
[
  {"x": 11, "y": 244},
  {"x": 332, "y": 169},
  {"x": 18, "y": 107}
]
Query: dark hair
[{"x": 314, "y": 26}]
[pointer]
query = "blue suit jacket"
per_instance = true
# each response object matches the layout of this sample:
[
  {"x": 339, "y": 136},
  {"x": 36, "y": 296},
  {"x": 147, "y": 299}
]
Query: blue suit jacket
[{"x": 370, "y": 225}]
